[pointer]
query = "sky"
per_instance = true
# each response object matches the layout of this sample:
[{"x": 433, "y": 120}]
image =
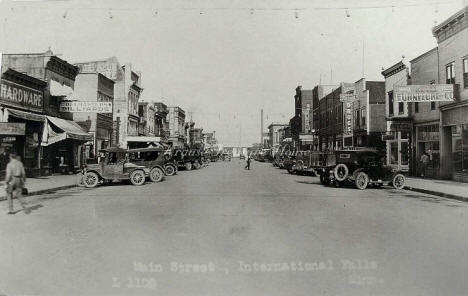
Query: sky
[{"x": 223, "y": 61}]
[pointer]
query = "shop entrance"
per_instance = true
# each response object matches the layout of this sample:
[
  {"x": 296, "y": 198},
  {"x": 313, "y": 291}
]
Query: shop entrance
[{"x": 398, "y": 152}]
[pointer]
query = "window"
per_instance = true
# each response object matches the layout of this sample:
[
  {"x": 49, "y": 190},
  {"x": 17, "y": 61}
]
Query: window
[
  {"x": 465, "y": 72},
  {"x": 400, "y": 108},
  {"x": 450, "y": 73},
  {"x": 390, "y": 103},
  {"x": 416, "y": 107},
  {"x": 433, "y": 105},
  {"x": 358, "y": 116}
]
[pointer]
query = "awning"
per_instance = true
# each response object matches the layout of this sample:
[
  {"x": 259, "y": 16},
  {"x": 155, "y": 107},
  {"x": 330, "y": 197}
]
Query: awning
[
  {"x": 25, "y": 115},
  {"x": 143, "y": 139},
  {"x": 69, "y": 130},
  {"x": 58, "y": 90}
]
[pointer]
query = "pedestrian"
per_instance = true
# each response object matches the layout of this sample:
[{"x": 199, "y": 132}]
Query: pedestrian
[
  {"x": 423, "y": 162},
  {"x": 14, "y": 180},
  {"x": 247, "y": 166}
]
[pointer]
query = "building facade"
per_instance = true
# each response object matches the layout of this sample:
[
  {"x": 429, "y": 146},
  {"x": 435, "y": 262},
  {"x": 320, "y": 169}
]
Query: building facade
[
  {"x": 62, "y": 139},
  {"x": 127, "y": 92},
  {"x": 176, "y": 119},
  {"x": 330, "y": 119},
  {"x": 94, "y": 87},
  {"x": 161, "y": 125},
  {"x": 399, "y": 120},
  {"x": 274, "y": 134},
  {"x": 452, "y": 40}
]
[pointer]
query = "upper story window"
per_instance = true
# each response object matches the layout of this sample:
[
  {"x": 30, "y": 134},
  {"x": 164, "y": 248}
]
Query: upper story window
[
  {"x": 450, "y": 73},
  {"x": 390, "y": 103},
  {"x": 465, "y": 72},
  {"x": 416, "y": 107},
  {"x": 401, "y": 108}
]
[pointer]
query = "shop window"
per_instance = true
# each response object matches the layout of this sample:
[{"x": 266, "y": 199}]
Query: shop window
[
  {"x": 416, "y": 107},
  {"x": 465, "y": 72},
  {"x": 390, "y": 103},
  {"x": 460, "y": 148},
  {"x": 450, "y": 73}
]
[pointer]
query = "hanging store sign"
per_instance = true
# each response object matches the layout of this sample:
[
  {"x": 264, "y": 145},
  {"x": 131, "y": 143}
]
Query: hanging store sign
[
  {"x": 13, "y": 94},
  {"x": 347, "y": 97},
  {"x": 424, "y": 93},
  {"x": 86, "y": 107},
  {"x": 348, "y": 118},
  {"x": 12, "y": 129}
]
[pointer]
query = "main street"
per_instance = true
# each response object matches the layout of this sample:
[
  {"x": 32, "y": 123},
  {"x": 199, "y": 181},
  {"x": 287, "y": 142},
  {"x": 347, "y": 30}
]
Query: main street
[{"x": 222, "y": 230}]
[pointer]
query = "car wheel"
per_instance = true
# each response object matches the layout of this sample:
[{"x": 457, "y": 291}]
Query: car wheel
[
  {"x": 398, "y": 181},
  {"x": 156, "y": 175},
  {"x": 80, "y": 180},
  {"x": 197, "y": 165},
  {"x": 91, "y": 179},
  {"x": 362, "y": 179},
  {"x": 341, "y": 172},
  {"x": 137, "y": 177},
  {"x": 170, "y": 170},
  {"x": 188, "y": 166}
]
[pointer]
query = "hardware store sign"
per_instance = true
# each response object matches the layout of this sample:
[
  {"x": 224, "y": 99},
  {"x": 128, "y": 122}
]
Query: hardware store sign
[
  {"x": 13, "y": 94},
  {"x": 86, "y": 107},
  {"x": 424, "y": 93}
]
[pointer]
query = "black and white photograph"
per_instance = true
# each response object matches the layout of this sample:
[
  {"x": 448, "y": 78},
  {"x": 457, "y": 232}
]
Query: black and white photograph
[{"x": 233, "y": 147}]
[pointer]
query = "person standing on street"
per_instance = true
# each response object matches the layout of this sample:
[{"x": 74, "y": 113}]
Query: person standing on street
[
  {"x": 15, "y": 179},
  {"x": 424, "y": 161},
  {"x": 247, "y": 167}
]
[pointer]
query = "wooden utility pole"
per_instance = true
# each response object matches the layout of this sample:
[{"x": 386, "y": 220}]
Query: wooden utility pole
[{"x": 261, "y": 128}]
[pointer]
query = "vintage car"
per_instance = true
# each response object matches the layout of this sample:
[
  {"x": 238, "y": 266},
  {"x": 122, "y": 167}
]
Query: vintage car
[
  {"x": 303, "y": 165},
  {"x": 152, "y": 158},
  {"x": 289, "y": 162},
  {"x": 226, "y": 156},
  {"x": 241, "y": 156},
  {"x": 114, "y": 164},
  {"x": 188, "y": 158},
  {"x": 361, "y": 167}
]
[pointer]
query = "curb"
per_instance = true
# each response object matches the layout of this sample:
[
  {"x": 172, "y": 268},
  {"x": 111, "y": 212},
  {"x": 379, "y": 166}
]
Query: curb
[
  {"x": 43, "y": 191},
  {"x": 437, "y": 193}
]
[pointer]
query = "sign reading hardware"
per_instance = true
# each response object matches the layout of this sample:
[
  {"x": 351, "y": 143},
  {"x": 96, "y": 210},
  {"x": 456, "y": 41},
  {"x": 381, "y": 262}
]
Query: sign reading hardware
[
  {"x": 79, "y": 106},
  {"x": 20, "y": 96},
  {"x": 12, "y": 128},
  {"x": 424, "y": 93}
]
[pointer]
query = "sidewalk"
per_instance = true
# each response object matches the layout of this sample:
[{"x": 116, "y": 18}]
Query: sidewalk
[
  {"x": 44, "y": 184},
  {"x": 442, "y": 188}
]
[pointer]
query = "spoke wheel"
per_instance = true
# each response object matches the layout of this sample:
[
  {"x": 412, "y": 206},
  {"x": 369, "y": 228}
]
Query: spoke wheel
[
  {"x": 170, "y": 170},
  {"x": 156, "y": 175},
  {"x": 196, "y": 165},
  {"x": 137, "y": 177},
  {"x": 341, "y": 172},
  {"x": 362, "y": 180},
  {"x": 91, "y": 179},
  {"x": 398, "y": 181},
  {"x": 188, "y": 166}
]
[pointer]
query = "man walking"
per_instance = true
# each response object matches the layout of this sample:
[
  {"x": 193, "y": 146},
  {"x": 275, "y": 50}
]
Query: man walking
[
  {"x": 247, "y": 167},
  {"x": 15, "y": 179},
  {"x": 424, "y": 161}
]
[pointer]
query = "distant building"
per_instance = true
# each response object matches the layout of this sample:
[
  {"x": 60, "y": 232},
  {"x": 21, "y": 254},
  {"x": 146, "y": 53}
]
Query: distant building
[
  {"x": 161, "y": 124},
  {"x": 274, "y": 134},
  {"x": 176, "y": 119}
]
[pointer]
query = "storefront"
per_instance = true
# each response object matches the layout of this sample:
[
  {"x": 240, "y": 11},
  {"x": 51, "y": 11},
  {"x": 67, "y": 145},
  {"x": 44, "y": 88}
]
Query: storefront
[
  {"x": 427, "y": 141},
  {"x": 399, "y": 145},
  {"x": 62, "y": 142},
  {"x": 454, "y": 141},
  {"x": 22, "y": 119}
]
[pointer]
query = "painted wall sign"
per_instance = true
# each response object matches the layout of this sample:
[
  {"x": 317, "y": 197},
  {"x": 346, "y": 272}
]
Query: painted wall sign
[
  {"x": 347, "y": 97},
  {"x": 424, "y": 93},
  {"x": 17, "y": 95},
  {"x": 81, "y": 106},
  {"x": 12, "y": 128}
]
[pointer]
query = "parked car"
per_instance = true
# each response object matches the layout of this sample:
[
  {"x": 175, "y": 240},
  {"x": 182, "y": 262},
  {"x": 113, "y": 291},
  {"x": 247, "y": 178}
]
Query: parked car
[
  {"x": 361, "y": 167},
  {"x": 226, "y": 156},
  {"x": 303, "y": 165},
  {"x": 114, "y": 164},
  {"x": 152, "y": 158},
  {"x": 241, "y": 156}
]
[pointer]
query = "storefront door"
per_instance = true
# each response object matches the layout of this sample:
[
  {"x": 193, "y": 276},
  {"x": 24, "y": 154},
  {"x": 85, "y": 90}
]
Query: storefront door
[{"x": 398, "y": 153}]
